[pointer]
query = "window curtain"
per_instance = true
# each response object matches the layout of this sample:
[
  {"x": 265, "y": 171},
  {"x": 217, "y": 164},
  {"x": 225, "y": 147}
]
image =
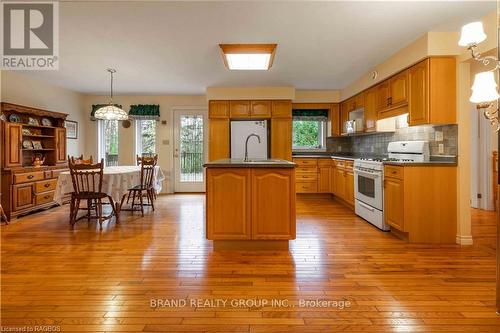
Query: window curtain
[
  {"x": 145, "y": 111},
  {"x": 96, "y": 107},
  {"x": 315, "y": 114}
]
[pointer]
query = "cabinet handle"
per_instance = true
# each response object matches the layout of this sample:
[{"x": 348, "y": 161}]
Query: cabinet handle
[
  {"x": 46, "y": 185},
  {"x": 390, "y": 100},
  {"x": 30, "y": 177},
  {"x": 46, "y": 197}
]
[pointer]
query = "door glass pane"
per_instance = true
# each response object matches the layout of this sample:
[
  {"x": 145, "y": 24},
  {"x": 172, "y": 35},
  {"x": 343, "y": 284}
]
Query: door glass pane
[
  {"x": 191, "y": 148},
  {"x": 148, "y": 138}
]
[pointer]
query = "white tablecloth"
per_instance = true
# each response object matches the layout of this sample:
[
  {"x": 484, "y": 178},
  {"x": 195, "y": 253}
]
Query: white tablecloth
[{"x": 116, "y": 181}]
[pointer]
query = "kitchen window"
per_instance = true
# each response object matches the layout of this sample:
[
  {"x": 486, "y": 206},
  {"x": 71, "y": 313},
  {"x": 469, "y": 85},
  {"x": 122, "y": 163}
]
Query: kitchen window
[
  {"x": 145, "y": 139},
  {"x": 309, "y": 129}
]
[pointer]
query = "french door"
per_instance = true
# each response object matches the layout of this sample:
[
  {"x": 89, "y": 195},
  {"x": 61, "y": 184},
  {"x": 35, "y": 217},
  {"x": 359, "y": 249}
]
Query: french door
[{"x": 190, "y": 149}]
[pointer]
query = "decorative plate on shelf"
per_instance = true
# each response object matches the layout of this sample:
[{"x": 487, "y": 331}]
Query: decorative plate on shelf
[
  {"x": 37, "y": 144},
  {"x": 33, "y": 121},
  {"x": 26, "y": 131},
  {"x": 14, "y": 118},
  {"x": 46, "y": 122},
  {"x": 27, "y": 144}
]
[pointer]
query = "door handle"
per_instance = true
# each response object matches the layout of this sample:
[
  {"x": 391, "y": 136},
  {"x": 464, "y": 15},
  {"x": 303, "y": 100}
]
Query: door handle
[{"x": 371, "y": 209}]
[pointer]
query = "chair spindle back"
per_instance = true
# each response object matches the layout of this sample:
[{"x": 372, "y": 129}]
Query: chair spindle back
[{"x": 86, "y": 178}]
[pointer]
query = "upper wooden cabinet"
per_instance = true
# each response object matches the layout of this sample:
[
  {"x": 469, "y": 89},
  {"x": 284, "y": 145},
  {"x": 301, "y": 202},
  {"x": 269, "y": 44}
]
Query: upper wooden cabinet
[
  {"x": 281, "y": 109},
  {"x": 432, "y": 96},
  {"x": 260, "y": 109},
  {"x": 218, "y": 109},
  {"x": 13, "y": 143},
  {"x": 218, "y": 142},
  {"x": 336, "y": 125},
  {"x": 239, "y": 109},
  {"x": 398, "y": 85},
  {"x": 281, "y": 138},
  {"x": 392, "y": 96},
  {"x": 371, "y": 110}
]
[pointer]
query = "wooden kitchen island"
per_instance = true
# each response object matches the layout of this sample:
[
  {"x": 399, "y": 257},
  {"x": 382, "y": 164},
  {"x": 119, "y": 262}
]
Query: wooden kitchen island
[{"x": 250, "y": 205}]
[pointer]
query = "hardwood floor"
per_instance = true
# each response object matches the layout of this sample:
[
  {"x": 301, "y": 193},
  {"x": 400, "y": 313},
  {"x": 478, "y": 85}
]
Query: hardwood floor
[{"x": 84, "y": 280}]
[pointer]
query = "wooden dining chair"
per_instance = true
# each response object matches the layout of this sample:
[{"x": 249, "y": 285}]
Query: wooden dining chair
[
  {"x": 87, "y": 186},
  {"x": 80, "y": 160},
  {"x": 139, "y": 160},
  {"x": 145, "y": 188}
]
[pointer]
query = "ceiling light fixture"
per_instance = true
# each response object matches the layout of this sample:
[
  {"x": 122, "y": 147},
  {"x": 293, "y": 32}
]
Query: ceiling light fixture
[
  {"x": 110, "y": 111},
  {"x": 484, "y": 88},
  {"x": 248, "y": 56}
]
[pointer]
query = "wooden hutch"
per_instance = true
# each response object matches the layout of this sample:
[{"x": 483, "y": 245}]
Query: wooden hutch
[{"x": 28, "y": 133}]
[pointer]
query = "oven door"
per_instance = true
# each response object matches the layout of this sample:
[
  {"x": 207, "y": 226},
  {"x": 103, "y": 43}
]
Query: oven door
[{"x": 368, "y": 187}]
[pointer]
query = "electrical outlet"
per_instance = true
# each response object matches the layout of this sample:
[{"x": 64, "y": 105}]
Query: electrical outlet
[
  {"x": 339, "y": 148},
  {"x": 440, "y": 148},
  {"x": 372, "y": 149},
  {"x": 438, "y": 136}
]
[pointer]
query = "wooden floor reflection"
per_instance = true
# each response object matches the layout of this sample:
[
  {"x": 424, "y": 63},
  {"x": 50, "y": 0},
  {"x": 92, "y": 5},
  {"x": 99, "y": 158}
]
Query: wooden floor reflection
[{"x": 84, "y": 280}]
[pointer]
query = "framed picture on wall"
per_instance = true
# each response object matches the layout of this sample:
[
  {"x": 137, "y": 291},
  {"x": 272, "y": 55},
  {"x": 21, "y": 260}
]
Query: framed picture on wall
[{"x": 71, "y": 129}]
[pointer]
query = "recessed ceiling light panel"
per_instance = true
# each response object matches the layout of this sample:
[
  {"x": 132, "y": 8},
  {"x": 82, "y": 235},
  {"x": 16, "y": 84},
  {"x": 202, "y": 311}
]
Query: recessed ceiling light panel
[{"x": 248, "y": 56}]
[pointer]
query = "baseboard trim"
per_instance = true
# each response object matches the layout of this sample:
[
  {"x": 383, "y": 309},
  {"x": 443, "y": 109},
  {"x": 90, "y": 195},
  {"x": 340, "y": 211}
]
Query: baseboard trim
[{"x": 464, "y": 240}]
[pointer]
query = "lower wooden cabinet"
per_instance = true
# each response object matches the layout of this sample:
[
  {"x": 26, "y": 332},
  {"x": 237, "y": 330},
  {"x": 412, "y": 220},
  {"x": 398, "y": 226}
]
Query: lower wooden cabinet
[
  {"x": 324, "y": 169},
  {"x": 22, "y": 196},
  {"x": 233, "y": 188},
  {"x": 420, "y": 202},
  {"x": 349, "y": 187},
  {"x": 273, "y": 204},
  {"x": 339, "y": 179},
  {"x": 261, "y": 201},
  {"x": 394, "y": 203}
]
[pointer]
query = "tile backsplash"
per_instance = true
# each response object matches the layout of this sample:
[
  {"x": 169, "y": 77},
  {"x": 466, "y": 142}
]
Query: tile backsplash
[{"x": 376, "y": 144}]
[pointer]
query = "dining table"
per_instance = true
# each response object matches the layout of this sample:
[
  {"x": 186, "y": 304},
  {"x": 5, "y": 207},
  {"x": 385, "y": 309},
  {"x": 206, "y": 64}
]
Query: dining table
[{"x": 116, "y": 182}]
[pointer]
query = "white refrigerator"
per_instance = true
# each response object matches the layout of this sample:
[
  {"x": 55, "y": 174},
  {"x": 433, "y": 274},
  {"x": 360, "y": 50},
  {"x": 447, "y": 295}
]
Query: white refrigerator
[{"x": 240, "y": 130}]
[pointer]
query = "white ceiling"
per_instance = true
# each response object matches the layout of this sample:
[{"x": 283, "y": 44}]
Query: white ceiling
[{"x": 172, "y": 47}]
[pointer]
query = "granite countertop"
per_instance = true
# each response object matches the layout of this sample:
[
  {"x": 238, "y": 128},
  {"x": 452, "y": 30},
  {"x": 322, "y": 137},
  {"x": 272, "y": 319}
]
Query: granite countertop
[
  {"x": 429, "y": 163},
  {"x": 253, "y": 163}
]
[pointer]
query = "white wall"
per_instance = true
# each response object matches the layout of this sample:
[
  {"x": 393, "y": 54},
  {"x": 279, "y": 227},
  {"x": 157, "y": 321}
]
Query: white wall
[
  {"x": 20, "y": 89},
  {"x": 126, "y": 146}
]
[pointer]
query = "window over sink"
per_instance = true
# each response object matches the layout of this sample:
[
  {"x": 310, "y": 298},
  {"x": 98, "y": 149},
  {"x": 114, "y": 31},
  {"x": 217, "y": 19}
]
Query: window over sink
[{"x": 309, "y": 130}]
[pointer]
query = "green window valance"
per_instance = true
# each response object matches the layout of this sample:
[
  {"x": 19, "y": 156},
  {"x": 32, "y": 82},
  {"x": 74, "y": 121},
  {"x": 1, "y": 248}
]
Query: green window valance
[
  {"x": 312, "y": 114},
  {"x": 145, "y": 111},
  {"x": 96, "y": 107}
]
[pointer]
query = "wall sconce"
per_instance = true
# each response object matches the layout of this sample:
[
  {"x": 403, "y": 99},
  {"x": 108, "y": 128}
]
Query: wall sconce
[{"x": 484, "y": 89}]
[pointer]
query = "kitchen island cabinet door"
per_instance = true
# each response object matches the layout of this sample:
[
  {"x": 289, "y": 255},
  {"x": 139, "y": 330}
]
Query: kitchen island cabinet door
[
  {"x": 228, "y": 188},
  {"x": 394, "y": 203},
  {"x": 273, "y": 204}
]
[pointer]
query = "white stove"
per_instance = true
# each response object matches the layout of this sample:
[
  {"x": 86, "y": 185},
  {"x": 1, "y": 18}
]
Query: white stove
[{"x": 369, "y": 177}]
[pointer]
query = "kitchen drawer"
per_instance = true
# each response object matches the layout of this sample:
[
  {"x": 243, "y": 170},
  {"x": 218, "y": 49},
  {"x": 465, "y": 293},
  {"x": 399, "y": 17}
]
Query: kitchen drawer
[
  {"x": 306, "y": 162},
  {"x": 306, "y": 187},
  {"x": 324, "y": 162},
  {"x": 20, "y": 178},
  {"x": 43, "y": 198},
  {"x": 393, "y": 171},
  {"x": 307, "y": 177},
  {"x": 349, "y": 165},
  {"x": 46, "y": 185},
  {"x": 306, "y": 169}
]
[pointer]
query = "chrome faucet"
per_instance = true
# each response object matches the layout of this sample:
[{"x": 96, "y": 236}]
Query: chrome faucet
[{"x": 246, "y": 145}]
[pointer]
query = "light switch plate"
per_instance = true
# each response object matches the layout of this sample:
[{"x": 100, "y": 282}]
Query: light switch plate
[
  {"x": 438, "y": 136},
  {"x": 440, "y": 148},
  {"x": 165, "y": 142}
]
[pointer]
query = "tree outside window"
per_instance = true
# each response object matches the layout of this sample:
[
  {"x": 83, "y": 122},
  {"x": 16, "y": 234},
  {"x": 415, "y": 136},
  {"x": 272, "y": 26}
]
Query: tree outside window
[
  {"x": 308, "y": 134},
  {"x": 146, "y": 137}
]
